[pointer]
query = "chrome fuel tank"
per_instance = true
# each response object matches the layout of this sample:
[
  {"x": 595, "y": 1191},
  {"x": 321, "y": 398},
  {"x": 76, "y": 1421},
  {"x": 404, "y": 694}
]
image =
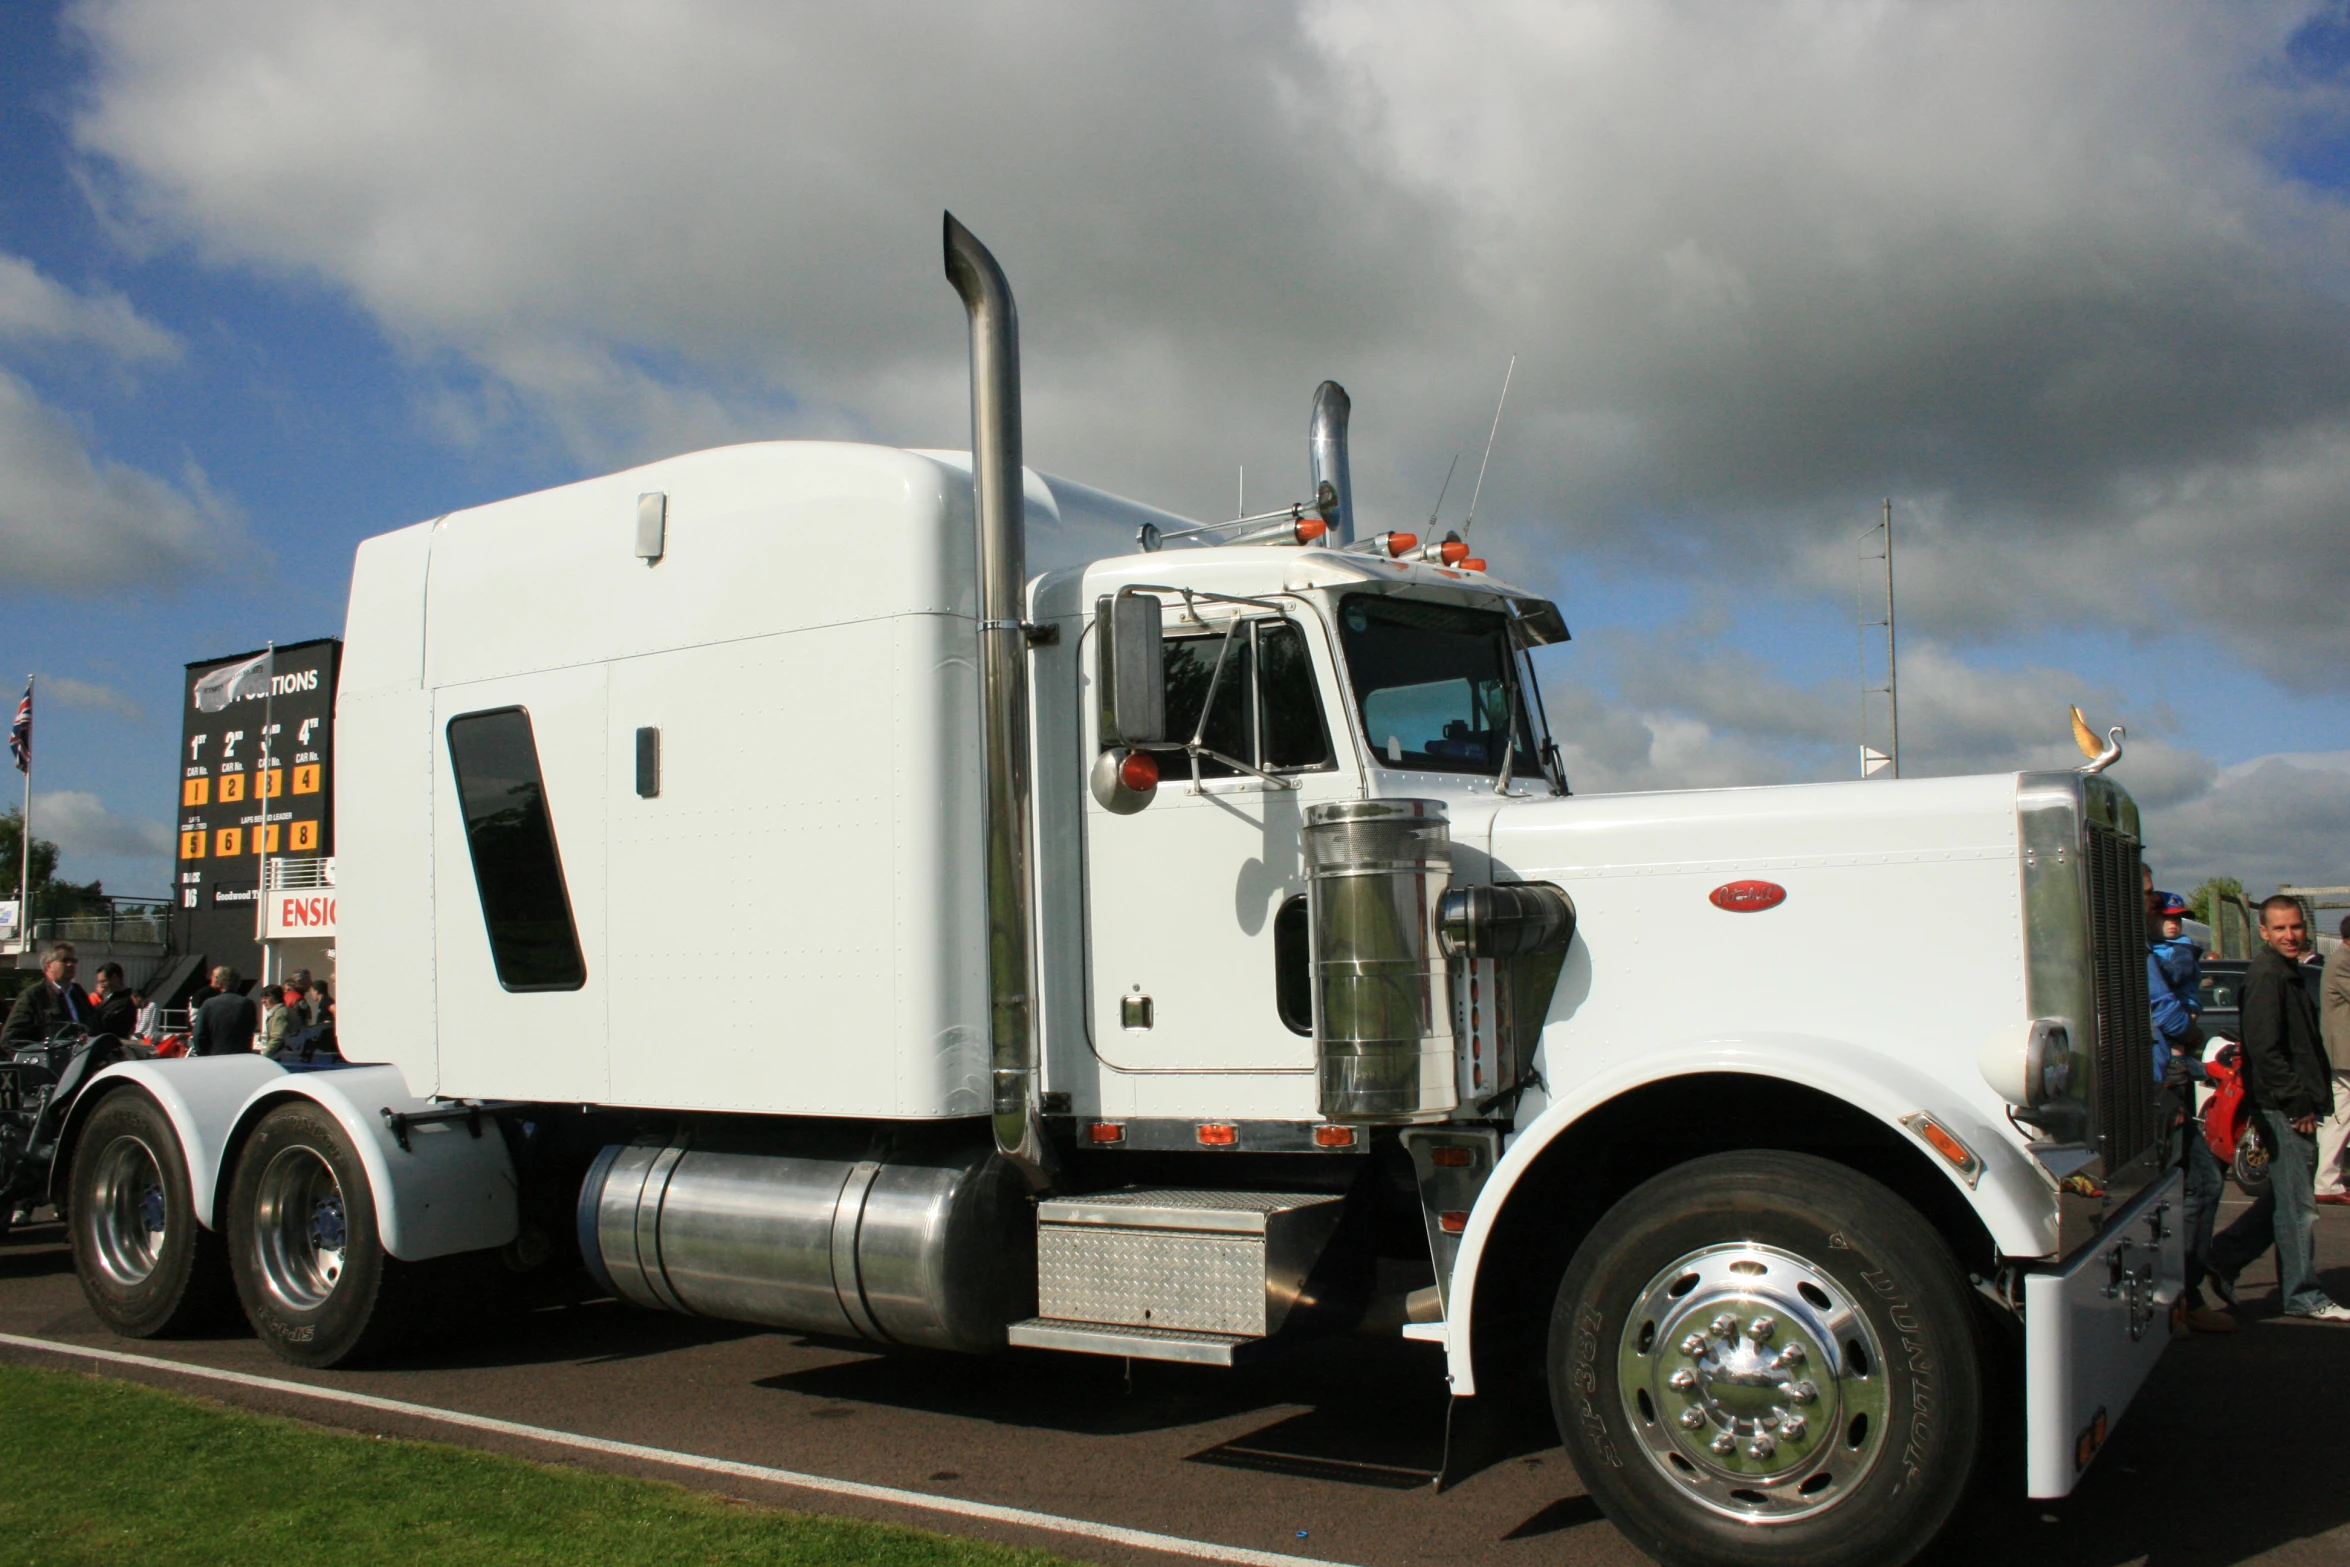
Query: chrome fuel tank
[{"x": 932, "y": 1248}]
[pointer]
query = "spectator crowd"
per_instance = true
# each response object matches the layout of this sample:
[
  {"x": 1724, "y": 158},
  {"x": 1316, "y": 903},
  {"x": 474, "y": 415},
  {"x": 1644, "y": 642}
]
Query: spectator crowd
[{"x": 224, "y": 1017}]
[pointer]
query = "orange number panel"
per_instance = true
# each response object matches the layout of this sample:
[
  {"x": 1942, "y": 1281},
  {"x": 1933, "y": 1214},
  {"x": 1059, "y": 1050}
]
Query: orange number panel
[
  {"x": 265, "y": 839},
  {"x": 228, "y": 842},
  {"x": 305, "y": 835},
  {"x": 232, "y": 788},
  {"x": 306, "y": 778},
  {"x": 192, "y": 845},
  {"x": 273, "y": 783},
  {"x": 196, "y": 791}
]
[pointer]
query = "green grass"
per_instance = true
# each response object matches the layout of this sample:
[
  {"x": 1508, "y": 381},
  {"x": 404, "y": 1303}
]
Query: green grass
[{"x": 93, "y": 1471}]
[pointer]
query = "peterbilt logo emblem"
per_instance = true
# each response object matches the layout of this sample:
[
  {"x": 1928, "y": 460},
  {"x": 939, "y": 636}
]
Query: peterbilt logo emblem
[{"x": 1748, "y": 897}]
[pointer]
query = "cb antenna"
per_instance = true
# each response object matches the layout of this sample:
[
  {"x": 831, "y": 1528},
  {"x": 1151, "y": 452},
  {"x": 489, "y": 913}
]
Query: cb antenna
[
  {"x": 1440, "y": 489},
  {"x": 1489, "y": 435}
]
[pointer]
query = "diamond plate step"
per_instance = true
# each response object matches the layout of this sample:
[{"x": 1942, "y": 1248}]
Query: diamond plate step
[{"x": 1094, "y": 1338}]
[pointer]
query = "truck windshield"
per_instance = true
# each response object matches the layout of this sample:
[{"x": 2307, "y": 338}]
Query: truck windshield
[{"x": 1435, "y": 685}]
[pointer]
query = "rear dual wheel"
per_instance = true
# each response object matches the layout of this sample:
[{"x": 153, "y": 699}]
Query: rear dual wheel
[
  {"x": 147, "y": 1268},
  {"x": 309, "y": 1265},
  {"x": 1766, "y": 1358}
]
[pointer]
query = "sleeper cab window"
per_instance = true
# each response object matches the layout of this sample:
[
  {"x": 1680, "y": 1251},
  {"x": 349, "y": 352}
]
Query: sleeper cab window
[{"x": 516, "y": 869}]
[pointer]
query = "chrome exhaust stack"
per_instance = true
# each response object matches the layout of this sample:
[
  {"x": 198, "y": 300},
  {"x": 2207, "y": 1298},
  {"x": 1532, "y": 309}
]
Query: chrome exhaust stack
[
  {"x": 1326, "y": 445},
  {"x": 996, "y": 492}
]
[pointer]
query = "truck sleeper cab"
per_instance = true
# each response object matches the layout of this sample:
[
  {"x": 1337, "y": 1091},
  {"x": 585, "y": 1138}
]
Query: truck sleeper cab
[{"x": 1243, "y": 972}]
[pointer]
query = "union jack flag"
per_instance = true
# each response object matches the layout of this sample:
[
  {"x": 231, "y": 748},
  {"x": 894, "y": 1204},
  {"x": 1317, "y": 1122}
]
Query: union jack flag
[{"x": 20, "y": 733}]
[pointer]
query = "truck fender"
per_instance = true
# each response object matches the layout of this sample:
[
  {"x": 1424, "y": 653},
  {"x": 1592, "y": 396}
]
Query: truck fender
[
  {"x": 448, "y": 1192},
  {"x": 201, "y": 1095},
  {"x": 2012, "y": 1195}
]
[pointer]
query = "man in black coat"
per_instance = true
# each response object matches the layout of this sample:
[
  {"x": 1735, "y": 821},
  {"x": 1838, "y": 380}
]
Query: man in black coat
[
  {"x": 225, "y": 1025},
  {"x": 2289, "y": 1079},
  {"x": 50, "y": 1004},
  {"x": 112, "y": 1009}
]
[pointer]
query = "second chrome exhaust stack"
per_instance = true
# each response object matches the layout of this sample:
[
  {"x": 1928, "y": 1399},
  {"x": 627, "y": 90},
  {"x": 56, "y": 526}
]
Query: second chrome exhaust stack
[
  {"x": 1326, "y": 445},
  {"x": 997, "y": 496}
]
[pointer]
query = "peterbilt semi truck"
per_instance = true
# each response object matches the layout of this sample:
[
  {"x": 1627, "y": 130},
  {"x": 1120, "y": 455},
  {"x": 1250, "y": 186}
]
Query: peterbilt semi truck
[{"x": 1163, "y": 940}]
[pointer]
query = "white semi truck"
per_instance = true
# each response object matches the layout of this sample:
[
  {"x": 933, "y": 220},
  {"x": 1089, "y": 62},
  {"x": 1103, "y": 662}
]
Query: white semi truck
[{"x": 1178, "y": 951}]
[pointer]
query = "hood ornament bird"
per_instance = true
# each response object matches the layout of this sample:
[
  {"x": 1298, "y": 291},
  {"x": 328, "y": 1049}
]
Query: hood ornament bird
[{"x": 2101, "y": 756}]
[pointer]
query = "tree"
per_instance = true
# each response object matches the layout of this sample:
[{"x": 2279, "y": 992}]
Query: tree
[
  {"x": 51, "y": 897},
  {"x": 2205, "y": 897}
]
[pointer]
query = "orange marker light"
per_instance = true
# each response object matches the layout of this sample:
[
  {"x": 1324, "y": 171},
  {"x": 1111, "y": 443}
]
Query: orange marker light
[
  {"x": 1334, "y": 1137},
  {"x": 1397, "y": 543},
  {"x": 1138, "y": 772},
  {"x": 1452, "y": 1223},
  {"x": 1105, "y": 1132},
  {"x": 1453, "y": 552},
  {"x": 1310, "y": 529},
  {"x": 1218, "y": 1134},
  {"x": 1450, "y": 1157},
  {"x": 1472, "y": 563}
]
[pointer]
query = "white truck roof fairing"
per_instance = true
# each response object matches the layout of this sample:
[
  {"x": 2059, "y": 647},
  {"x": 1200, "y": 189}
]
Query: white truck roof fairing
[{"x": 806, "y": 648}]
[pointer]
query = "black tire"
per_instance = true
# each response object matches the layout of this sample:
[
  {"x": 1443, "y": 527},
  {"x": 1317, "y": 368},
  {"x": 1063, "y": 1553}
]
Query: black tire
[
  {"x": 310, "y": 1269},
  {"x": 147, "y": 1268},
  {"x": 1851, "y": 1416}
]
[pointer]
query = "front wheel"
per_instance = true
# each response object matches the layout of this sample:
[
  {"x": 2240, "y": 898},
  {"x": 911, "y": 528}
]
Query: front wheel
[
  {"x": 315, "y": 1280},
  {"x": 1768, "y": 1358}
]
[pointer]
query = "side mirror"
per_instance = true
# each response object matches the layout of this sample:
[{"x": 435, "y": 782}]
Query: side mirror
[{"x": 1133, "y": 669}]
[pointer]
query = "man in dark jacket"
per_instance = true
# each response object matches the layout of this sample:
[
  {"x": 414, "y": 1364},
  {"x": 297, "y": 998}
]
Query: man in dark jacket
[
  {"x": 112, "y": 1010},
  {"x": 2288, "y": 1078},
  {"x": 225, "y": 1025},
  {"x": 50, "y": 1004}
]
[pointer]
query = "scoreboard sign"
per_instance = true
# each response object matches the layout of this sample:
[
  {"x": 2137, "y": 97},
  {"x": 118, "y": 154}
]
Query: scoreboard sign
[{"x": 256, "y": 781}]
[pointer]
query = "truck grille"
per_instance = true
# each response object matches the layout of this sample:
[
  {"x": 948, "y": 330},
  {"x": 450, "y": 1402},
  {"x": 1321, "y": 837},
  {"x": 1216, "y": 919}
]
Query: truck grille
[{"x": 2127, "y": 1110}]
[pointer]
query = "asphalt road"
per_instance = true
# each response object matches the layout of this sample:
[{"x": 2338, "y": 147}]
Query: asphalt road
[{"x": 2233, "y": 1452}]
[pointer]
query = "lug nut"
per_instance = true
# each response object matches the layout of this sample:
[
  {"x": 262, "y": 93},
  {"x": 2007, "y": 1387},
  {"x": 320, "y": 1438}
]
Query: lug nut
[
  {"x": 1723, "y": 1443},
  {"x": 1792, "y": 1427},
  {"x": 1792, "y": 1355},
  {"x": 1763, "y": 1445},
  {"x": 1693, "y": 1346},
  {"x": 1692, "y": 1418},
  {"x": 1683, "y": 1380},
  {"x": 1761, "y": 1328},
  {"x": 1801, "y": 1392},
  {"x": 1725, "y": 1326}
]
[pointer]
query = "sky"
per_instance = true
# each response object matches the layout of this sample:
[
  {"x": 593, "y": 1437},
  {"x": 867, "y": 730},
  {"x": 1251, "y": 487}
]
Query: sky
[{"x": 2069, "y": 284}]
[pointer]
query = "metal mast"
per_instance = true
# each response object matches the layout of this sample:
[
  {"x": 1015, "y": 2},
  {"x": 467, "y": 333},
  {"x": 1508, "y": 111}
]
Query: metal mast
[{"x": 1874, "y": 760}]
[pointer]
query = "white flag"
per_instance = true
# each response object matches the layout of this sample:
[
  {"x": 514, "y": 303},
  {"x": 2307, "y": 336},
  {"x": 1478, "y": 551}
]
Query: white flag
[
  {"x": 223, "y": 686},
  {"x": 1873, "y": 761}
]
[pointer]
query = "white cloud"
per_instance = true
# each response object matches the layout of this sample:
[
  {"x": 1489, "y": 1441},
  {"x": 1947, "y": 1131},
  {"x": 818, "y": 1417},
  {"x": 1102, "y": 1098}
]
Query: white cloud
[
  {"x": 90, "y": 694},
  {"x": 2034, "y": 267},
  {"x": 83, "y": 828},
  {"x": 34, "y": 308},
  {"x": 78, "y": 523}
]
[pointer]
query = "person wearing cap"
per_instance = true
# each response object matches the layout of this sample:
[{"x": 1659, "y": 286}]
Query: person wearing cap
[{"x": 2173, "y": 973}]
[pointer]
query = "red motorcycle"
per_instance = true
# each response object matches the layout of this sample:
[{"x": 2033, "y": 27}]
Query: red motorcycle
[{"x": 2236, "y": 1137}]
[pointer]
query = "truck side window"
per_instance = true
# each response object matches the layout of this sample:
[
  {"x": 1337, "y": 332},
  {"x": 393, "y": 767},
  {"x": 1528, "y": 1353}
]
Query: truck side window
[
  {"x": 1268, "y": 712},
  {"x": 1293, "y": 979},
  {"x": 1294, "y": 736},
  {"x": 1191, "y": 666},
  {"x": 516, "y": 869}
]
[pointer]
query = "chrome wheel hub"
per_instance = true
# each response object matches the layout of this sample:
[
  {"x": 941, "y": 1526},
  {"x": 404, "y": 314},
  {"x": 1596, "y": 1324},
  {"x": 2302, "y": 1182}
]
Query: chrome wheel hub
[
  {"x": 1754, "y": 1382},
  {"x": 129, "y": 1214},
  {"x": 299, "y": 1230}
]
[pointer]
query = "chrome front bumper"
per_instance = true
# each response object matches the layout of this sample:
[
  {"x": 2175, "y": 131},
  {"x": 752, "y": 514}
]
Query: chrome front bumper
[{"x": 2093, "y": 1328}]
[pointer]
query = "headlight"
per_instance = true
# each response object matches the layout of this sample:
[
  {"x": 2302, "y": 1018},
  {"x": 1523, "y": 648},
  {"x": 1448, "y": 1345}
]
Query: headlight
[{"x": 2035, "y": 1070}]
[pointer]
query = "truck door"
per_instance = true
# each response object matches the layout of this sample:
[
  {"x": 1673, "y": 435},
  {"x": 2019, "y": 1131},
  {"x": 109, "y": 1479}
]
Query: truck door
[
  {"x": 1189, "y": 939},
  {"x": 518, "y": 867}
]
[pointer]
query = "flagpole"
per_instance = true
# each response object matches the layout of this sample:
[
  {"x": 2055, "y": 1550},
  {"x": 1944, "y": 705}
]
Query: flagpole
[
  {"x": 261, "y": 834},
  {"x": 24, "y": 874}
]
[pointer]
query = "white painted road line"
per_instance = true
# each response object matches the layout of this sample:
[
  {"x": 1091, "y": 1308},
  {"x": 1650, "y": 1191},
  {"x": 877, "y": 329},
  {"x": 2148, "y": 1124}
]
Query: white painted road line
[{"x": 1140, "y": 1539}]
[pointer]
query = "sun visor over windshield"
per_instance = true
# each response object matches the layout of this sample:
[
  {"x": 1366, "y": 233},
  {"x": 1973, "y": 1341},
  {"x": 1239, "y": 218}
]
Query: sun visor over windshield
[{"x": 1535, "y": 622}]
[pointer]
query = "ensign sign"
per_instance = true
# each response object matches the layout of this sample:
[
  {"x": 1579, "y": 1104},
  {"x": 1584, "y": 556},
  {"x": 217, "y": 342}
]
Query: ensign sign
[{"x": 301, "y": 914}]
